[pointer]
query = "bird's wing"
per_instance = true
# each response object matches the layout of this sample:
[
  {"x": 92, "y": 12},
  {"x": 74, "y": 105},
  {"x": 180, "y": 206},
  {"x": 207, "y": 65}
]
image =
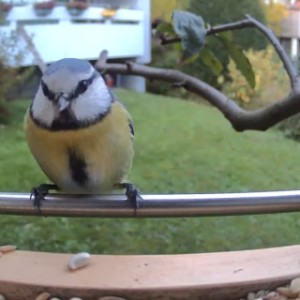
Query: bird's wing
[{"x": 130, "y": 122}]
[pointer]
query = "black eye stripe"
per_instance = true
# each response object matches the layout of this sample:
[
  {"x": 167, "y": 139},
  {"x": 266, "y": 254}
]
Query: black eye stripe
[
  {"x": 83, "y": 85},
  {"x": 80, "y": 89},
  {"x": 46, "y": 91}
]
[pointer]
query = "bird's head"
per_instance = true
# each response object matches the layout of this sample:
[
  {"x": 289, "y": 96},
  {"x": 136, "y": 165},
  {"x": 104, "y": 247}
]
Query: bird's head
[{"x": 72, "y": 94}]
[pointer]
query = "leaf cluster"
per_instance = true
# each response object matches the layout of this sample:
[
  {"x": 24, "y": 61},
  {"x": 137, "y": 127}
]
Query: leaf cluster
[
  {"x": 271, "y": 80},
  {"x": 9, "y": 76},
  {"x": 193, "y": 35}
]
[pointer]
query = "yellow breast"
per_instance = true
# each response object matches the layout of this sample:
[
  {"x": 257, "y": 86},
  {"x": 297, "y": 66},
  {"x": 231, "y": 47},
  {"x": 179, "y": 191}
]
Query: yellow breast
[{"x": 103, "y": 151}]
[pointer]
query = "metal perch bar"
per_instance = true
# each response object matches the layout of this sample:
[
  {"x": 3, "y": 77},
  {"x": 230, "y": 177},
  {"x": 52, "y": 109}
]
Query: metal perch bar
[{"x": 166, "y": 205}]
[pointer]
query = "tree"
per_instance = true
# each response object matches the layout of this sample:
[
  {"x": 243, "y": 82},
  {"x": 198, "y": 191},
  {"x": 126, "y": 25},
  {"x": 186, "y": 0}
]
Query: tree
[
  {"x": 162, "y": 9},
  {"x": 9, "y": 55},
  {"x": 216, "y": 12},
  {"x": 219, "y": 12},
  {"x": 241, "y": 119},
  {"x": 274, "y": 13}
]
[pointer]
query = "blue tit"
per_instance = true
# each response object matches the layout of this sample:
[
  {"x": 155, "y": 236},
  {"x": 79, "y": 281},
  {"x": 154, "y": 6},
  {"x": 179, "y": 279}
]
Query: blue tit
[{"x": 79, "y": 134}]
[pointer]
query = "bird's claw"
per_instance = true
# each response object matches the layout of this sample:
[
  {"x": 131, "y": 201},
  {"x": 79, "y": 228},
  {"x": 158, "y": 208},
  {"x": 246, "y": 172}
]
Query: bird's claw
[
  {"x": 38, "y": 194},
  {"x": 133, "y": 195}
]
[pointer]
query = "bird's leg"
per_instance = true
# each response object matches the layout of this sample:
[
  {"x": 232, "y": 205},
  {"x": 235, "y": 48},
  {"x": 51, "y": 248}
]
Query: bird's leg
[
  {"x": 132, "y": 193},
  {"x": 38, "y": 194}
]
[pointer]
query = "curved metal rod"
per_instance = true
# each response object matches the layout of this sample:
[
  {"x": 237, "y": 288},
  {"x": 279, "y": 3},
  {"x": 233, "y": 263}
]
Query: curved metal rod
[{"x": 166, "y": 205}]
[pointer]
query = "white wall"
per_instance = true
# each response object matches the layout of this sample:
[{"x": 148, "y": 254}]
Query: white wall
[{"x": 126, "y": 35}]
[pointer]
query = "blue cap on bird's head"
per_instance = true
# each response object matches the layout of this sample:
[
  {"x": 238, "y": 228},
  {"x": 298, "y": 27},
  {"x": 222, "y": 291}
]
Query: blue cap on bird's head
[{"x": 71, "y": 64}]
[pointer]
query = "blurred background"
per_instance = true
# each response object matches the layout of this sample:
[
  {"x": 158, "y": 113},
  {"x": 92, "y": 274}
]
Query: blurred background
[{"x": 183, "y": 144}]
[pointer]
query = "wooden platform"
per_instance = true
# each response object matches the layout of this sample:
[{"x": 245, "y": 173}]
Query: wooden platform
[{"x": 226, "y": 275}]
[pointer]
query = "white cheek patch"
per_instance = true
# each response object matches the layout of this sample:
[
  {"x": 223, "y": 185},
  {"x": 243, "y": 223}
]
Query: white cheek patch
[
  {"x": 94, "y": 102},
  {"x": 43, "y": 109}
]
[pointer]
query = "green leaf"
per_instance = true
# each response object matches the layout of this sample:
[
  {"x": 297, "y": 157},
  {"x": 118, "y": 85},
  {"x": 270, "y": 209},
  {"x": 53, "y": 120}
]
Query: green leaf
[
  {"x": 165, "y": 27},
  {"x": 240, "y": 59},
  {"x": 226, "y": 35},
  {"x": 189, "y": 60},
  {"x": 211, "y": 61},
  {"x": 191, "y": 29}
]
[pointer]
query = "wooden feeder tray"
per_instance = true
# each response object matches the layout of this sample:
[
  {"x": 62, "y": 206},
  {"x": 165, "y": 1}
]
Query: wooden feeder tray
[{"x": 224, "y": 275}]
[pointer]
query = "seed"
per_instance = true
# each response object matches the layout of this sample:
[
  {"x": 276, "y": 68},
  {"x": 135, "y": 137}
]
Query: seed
[
  {"x": 43, "y": 296},
  {"x": 295, "y": 285},
  {"x": 75, "y": 298},
  {"x": 2, "y": 297},
  {"x": 7, "y": 248},
  {"x": 251, "y": 296},
  {"x": 79, "y": 260},
  {"x": 285, "y": 291}
]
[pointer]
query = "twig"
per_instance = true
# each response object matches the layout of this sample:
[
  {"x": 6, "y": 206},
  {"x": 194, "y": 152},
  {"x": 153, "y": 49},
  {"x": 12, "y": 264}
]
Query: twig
[
  {"x": 247, "y": 23},
  {"x": 260, "y": 119},
  {"x": 212, "y": 30},
  {"x": 230, "y": 26},
  {"x": 240, "y": 119},
  {"x": 290, "y": 69}
]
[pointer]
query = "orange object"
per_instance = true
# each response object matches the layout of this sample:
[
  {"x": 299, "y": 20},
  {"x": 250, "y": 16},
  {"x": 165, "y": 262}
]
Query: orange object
[{"x": 108, "y": 13}]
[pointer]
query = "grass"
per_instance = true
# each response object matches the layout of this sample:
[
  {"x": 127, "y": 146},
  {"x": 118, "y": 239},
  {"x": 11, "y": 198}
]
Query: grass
[{"x": 181, "y": 147}]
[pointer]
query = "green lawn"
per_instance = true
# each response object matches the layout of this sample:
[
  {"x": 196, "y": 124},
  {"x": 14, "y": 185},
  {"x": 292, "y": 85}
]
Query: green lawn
[{"x": 181, "y": 147}]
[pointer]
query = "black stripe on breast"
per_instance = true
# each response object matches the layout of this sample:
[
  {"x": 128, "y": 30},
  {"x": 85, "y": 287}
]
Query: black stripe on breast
[{"x": 77, "y": 167}]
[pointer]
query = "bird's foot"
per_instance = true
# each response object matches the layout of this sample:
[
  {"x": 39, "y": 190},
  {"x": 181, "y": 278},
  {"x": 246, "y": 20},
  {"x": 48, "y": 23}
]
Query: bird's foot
[
  {"x": 38, "y": 194},
  {"x": 133, "y": 195}
]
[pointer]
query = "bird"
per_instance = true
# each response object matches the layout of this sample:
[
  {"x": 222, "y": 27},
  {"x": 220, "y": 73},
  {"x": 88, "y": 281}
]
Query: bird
[{"x": 79, "y": 133}]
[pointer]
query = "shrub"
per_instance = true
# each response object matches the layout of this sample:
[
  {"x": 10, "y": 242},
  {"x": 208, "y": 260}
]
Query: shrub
[
  {"x": 164, "y": 57},
  {"x": 9, "y": 76},
  {"x": 291, "y": 127},
  {"x": 271, "y": 80}
]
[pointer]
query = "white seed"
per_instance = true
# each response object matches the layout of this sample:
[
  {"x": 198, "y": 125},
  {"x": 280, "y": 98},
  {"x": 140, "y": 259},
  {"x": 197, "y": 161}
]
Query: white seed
[
  {"x": 285, "y": 291},
  {"x": 75, "y": 298},
  {"x": 43, "y": 296},
  {"x": 7, "y": 248},
  {"x": 2, "y": 297},
  {"x": 295, "y": 285},
  {"x": 79, "y": 260},
  {"x": 54, "y": 298},
  {"x": 251, "y": 296}
]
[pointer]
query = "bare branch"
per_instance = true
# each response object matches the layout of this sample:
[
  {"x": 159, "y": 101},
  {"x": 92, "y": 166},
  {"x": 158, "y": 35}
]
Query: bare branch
[
  {"x": 290, "y": 69},
  {"x": 240, "y": 119},
  {"x": 260, "y": 119},
  {"x": 230, "y": 26},
  {"x": 248, "y": 23},
  {"x": 212, "y": 30},
  {"x": 103, "y": 57}
]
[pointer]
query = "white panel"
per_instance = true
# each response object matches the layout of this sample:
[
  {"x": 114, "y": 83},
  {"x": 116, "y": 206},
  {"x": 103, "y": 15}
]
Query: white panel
[
  {"x": 61, "y": 13},
  {"x": 126, "y": 35},
  {"x": 86, "y": 40}
]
